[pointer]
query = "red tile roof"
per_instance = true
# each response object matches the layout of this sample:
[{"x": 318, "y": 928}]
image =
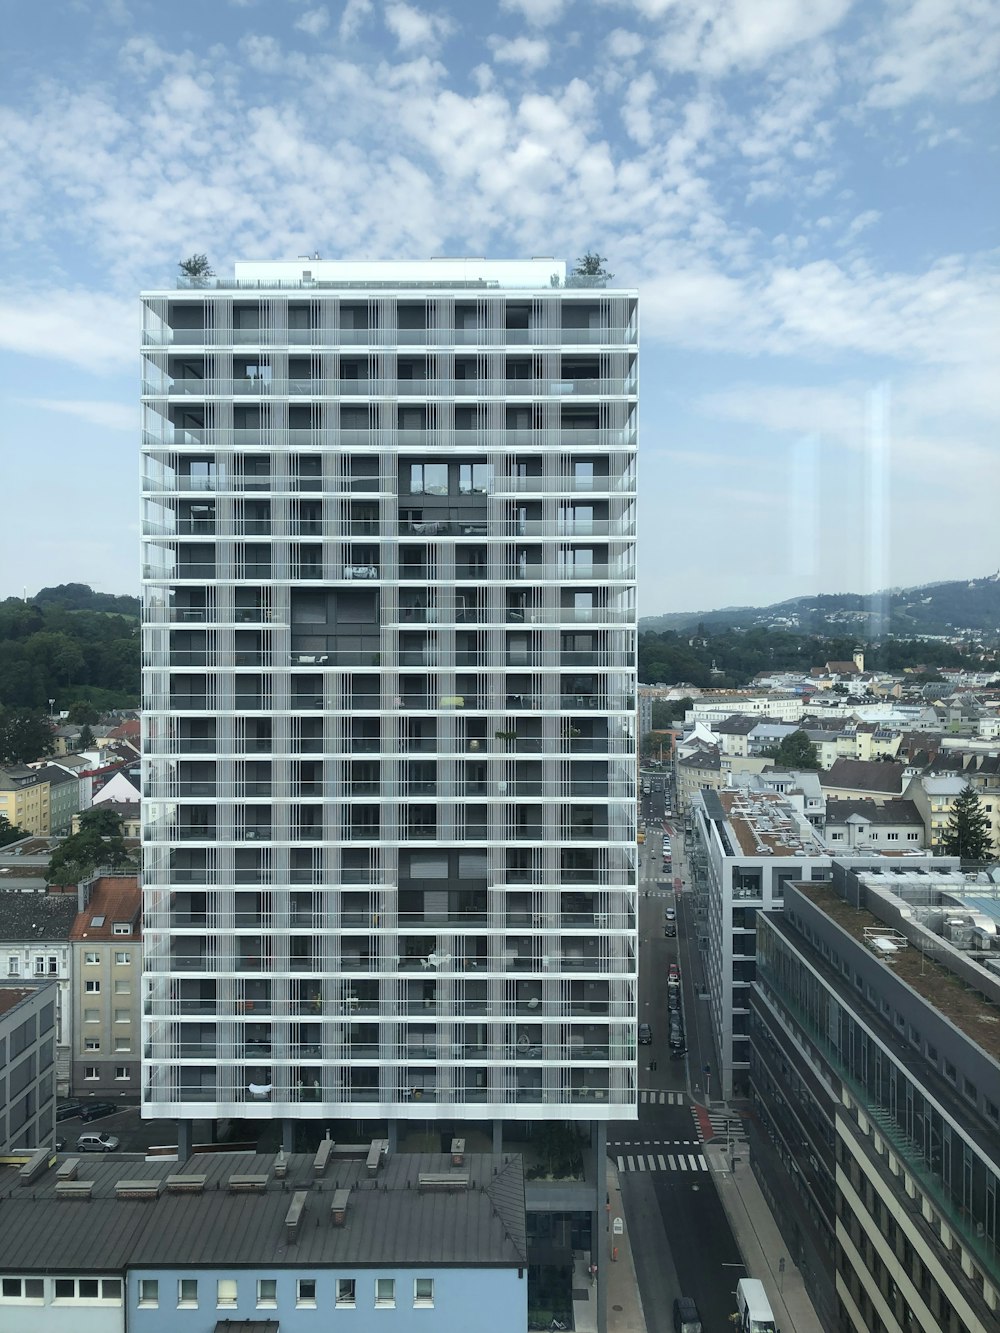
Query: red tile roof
[{"x": 115, "y": 898}]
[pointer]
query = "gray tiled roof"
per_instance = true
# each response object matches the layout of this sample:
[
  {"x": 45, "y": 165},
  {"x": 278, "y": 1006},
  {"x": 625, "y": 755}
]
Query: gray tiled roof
[
  {"x": 36, "y": 916},
  {"x": 891, "y": 812},
  {"x": 389, "y": 1218},
  {"x": 864, "y": 775}
]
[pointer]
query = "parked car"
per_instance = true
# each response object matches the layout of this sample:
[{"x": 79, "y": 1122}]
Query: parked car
[
  {"x": 670, "y": 930},
  {"x": 686, "y": 1316},
  {"x": 673, "y": 997},
  {"x": 674, "y": 973},
  {"x": 68, "y": 1110},
  {"x": 94, "y": 1141},
  {"x": 645, "y": 1034},
  {"x": 97, "y": 1110}
]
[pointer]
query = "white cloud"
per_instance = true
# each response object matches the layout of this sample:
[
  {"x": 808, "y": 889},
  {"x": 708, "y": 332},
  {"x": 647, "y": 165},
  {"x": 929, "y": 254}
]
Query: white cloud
[
  {"x": 413, "y": 27},
  {"x": 354, "y": 15},
  {"x": 313, "y": 21},
  {"x": 111, "y": 415},
  {"x": 942, "y": 49},
  {"x": 89, "y": 329},
  {"x": 530, "y": 53},
  {"x": 622, "y": 44},
  {"x": 539, "y": 13},
  {"x": 636, "y": 113}
]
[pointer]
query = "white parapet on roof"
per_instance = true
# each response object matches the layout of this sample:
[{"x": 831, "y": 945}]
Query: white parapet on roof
[{"x": 496, "y": 272}]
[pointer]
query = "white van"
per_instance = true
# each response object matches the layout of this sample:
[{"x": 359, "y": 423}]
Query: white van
[{"x": 754, "y": 1307}]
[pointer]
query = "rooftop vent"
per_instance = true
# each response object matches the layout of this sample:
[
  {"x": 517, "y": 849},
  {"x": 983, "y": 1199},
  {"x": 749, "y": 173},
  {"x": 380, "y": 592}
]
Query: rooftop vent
[
  {"x": 189, "y": 1184},
  {"x": 338, "y": 1209},
  {"x": 137, "y": 1189},
  {"x": 378, "y": 1150},
  {"x": 68, "y": 1169},
  {"x": 247, "y": 1184},
  {"x": 439, "y": 1181},
  {"x": 322, "y": 1159},
  {"x": 37, "y": 1165},
  {"x": 74, "y": 1189},
  {"x": 294, "y": 1215}
]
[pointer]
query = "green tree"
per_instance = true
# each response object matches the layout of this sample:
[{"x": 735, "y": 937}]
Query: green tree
[
  {"x": 9, "y": 832},
  {"x": 99, "y": 843},
  {"x": 23, "y": 736},
  {"x": 795, "y": 751},
  {"x": 968, "y": 831},
  {"x": 591, "y": 265},
  {"x": 196, "y": 266},
  {"x": 82, "y": 713},
  {"x": 86, "y": 737},
  {"x": 666, "y": 711}
]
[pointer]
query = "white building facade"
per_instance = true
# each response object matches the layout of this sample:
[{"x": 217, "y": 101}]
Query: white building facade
[{"x": 389, "y": 689}]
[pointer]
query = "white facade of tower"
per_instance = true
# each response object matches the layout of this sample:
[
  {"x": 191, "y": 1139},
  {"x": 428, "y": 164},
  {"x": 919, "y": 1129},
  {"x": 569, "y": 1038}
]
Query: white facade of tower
[{"x": 389, "y": 693}]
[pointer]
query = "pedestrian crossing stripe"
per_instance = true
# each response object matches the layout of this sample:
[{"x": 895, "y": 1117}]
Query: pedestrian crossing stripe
[
  {"x": 650, "y": 1097},
  {"x": 692, "y": 1163}
]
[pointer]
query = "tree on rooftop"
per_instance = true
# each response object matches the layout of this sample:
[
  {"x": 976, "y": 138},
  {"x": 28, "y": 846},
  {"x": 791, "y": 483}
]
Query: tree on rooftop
[
  {"x": 591, "y": 265},
  {"x": 795, "y": 751},
  {"x": 99, "y": 843},
  {"x": 23, "y": 736},
  {"x": 196, "y": 266},
  {"x": 968, "y": 831}
]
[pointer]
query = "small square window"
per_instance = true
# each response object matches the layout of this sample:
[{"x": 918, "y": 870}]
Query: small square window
[
  {"x": 423, "y": 1291},
  {"x": 122, "y": 957},
  {"x": 91, "y": 1043},
  {"x": 149, "y": 1293},
  {"x": 123, "y": 1045},
  {"x": 91, "y": 958},
  {"x": 122, "y": 1073},
  {"x": 225, "y": 1290},
  {"x": 111, "y": 1289},
  {"x": 122, "y": 928},
  {"x": 187, "y": 1293},
  {"x": 92, "y": 987},
  {"x": 91, "y": 1015},
  {"x": 305, "y": 1293},
  {"x": 90, "y": 1288},
  {"x": 267, "y": 1293},
  {"x": 346, "y": 1291},
  {"x": 11, "y": 1288},
  {"x": 385, "y": 1292},
  {"x": 65, "y": 1289},
  {"x": 123, "y": 988},
  {"x": 123, "y": 1015},
  {"x": 91, "y": 1073},
  {"x": 34, "y": 1289}
]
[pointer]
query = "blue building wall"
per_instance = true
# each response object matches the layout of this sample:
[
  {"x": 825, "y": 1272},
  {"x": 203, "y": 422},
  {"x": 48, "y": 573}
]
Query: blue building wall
[{"x": 493, "y": 1300}]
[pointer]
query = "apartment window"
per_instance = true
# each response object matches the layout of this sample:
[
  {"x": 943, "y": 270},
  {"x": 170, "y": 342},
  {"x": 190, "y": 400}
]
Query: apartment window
[
  {"x": 91, "y": 1015},
  {"x": 913, "y": 837},
  {"x": 187, "y": 1293},
  {"x": 13, "y": 967},
  {"x": 123, "y": 988},
  {"x": 53, "y": 965},
  {"x": 122, "y": 957},
  {"x": 423, "y": 1292},
  {"x": 91, "y": 1043},
  {"x": 123, "y": 1015},
  {"x": 39, "y": 967},
  {"x": 932, "y": 1054},
  {"x": 22, "y": 1289},
  {"x": 92, "y": 987},
  {"x": 91, "y": 1073},
  {"x": 992, "y": 1110},
  {"x": 305, "y": 1293},
  {"x": 892, "y": 837},
  {"x": 123, "y": 1045},
  {"x": 225, "y": 1293},
  {"x": 122, "y": 928},
  {"x": 91, "y": 958},
  {"x": 122, "y": 1074},
  {"x": 950, "y": 1071},
  {"x": 149, "y": 1293},
  {"x": 385, "y": 1292},
  {"x": 970, "y": 1089},
  {"x": 267, "y": 1293},
  {"x": 346, "y": 1292},
  {"x": 836, "y": 837}
]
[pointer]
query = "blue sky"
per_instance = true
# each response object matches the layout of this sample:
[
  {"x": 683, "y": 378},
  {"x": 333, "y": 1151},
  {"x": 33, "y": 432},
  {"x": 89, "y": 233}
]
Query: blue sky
[{"x": 805, "y": 192}]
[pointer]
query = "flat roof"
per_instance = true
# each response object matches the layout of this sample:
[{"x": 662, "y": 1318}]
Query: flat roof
[
  {"x": 970, "y": 1010},
  {"x": 765, "y": 824}
]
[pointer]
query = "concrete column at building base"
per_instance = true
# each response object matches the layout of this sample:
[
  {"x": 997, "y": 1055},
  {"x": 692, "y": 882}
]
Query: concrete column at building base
[
  {"x": 392, "y": 1133},
  {"x": 599, "y": 1145},
  {"x": 287, "y": 1135},
  {"x": 185, "y": 1139},
  {"x": 498, "y": 1137}
]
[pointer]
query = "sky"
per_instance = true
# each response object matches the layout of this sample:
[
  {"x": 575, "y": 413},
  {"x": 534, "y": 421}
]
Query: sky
[{"x": 805, "y": 193}]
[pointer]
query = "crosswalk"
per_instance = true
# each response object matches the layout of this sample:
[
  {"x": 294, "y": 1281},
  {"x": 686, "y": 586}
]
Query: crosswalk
[
  {"x": 676, "y": 1157},
  {"x": 651, "y": 1097},
  {"x": 716, "y": 1124}
]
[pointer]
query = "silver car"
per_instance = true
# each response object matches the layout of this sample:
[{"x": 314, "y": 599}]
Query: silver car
[{"x": 95, "y": 1141}]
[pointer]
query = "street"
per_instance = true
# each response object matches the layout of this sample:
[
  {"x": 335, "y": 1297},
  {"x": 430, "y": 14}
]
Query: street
[{"x": 681, "y": 1240}]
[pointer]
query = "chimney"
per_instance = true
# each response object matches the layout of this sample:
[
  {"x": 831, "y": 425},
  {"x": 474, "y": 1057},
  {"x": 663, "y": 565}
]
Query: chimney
[
  {"x": 338, "y": 1209},
  {"x": 294, "y": 1215}
]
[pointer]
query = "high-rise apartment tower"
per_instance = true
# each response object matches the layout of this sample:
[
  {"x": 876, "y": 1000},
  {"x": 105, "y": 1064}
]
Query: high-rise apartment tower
[{"x": 389, "y": 693}]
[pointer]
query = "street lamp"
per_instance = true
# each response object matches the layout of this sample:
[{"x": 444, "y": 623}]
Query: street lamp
[{"x": 52, "y": 708}]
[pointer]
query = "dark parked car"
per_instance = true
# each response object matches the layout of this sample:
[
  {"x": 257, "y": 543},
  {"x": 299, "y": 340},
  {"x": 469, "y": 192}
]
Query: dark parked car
[
  {"x": 670, "y": 931},
  {"x": 97, "y": 1110},
  {"x": 645, "y": 1034},
  {"x": 673, "y": 998},
  {"x": 68, "y": 1110}
]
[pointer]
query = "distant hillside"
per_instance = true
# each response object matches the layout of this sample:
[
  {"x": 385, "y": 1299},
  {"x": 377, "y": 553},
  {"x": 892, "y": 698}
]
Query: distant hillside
[
  {"x": 81, "y": 597},
  {"x": 971, "y": 605}
]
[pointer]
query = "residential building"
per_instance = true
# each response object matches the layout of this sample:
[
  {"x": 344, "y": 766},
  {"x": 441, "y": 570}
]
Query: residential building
[
  {"x": 27, "y": 1067},
  {"x": 702, "y": 769},
  {"x": 64, "y": 798},
  {"x": 867, "y": 779},
  {"x": 715, "y": 706},
  {"x": 934, "y": 797},
  {"x": 867, "y": 826},
  {"x": 130, "y": 813},
  {"x": 745, "y": 847},
  {"x": 236, "y": 1240},
  {"x": 24, "y": 799},
  {"x": 389, "y": 724},
  {"x": 876, "y": 1085},
  {"x": 34, "y": 944},
  {"x": 106, "y": 942}
]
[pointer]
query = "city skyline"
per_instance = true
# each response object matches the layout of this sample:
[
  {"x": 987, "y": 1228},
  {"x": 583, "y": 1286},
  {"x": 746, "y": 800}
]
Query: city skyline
[{"x": 803, "y": 196}]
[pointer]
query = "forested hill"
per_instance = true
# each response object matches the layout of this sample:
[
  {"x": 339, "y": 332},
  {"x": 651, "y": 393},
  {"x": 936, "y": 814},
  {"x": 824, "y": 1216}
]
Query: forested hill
[
  {"x": 934, "y": 608},
  {"x": 70, "y": 645},
  {"x": 727, "y": 658}
]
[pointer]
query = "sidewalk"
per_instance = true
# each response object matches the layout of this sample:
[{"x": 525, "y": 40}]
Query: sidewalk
[
  {"x": 624, "y": 1304},
  {"x": 760, "y": 1241}
]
